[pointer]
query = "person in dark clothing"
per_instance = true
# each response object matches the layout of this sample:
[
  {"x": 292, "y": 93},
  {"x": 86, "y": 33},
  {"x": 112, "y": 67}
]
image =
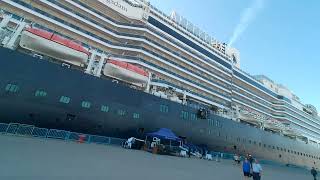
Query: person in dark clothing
[
  {"x": 189, "y": 152},
  {"x": 314, "y": 173},
  {"x": 250, "y": 159}
]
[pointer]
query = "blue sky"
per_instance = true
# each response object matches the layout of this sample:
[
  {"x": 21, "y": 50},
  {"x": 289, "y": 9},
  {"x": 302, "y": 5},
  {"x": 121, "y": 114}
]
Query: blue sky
[{"x": 281, "y": 42}]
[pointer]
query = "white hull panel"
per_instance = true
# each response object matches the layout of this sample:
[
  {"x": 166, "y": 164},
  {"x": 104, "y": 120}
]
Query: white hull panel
[
  {"x": 55, "y": 50},
  {"x": 117, "y": 72}
]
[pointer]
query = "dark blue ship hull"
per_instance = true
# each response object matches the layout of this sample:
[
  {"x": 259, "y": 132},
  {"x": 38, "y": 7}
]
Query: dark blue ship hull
[{"x": 129, "y": 112}]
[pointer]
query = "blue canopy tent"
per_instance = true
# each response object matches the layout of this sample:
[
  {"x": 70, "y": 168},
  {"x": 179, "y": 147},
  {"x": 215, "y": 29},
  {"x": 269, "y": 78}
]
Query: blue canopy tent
[{"x": 166, "y": 134}]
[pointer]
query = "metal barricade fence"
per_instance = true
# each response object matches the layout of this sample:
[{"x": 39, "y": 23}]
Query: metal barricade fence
[
  {"x": 58, "y": 134},
  {"x": 40, "y": 132},
  {"x": 3, "y": 128},
  {"x": 25, "y": 130},
  {"x": 73, "y": 136},
  {"x": 32, "y": 131},
  {"x": 12, "y": 129}
]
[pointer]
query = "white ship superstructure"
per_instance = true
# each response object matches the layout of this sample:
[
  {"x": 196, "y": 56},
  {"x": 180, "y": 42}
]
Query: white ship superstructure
[{"x": 170, "y": 58}]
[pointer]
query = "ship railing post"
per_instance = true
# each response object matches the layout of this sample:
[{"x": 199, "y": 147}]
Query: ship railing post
[
  {"x": 184, "y": 100},
  {"x": 91, "y": 61},
  {"x": 5, "y": 20},
  {"x": 14, "y": 37},
  {"x": 100, "y": 65},
  {"x": 148, "y": 83}
]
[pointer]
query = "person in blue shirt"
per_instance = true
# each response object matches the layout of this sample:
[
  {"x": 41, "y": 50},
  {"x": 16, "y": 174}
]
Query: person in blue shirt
[
  {"x": 256, "y": 170},
  {"x": 246, "y": 168}
]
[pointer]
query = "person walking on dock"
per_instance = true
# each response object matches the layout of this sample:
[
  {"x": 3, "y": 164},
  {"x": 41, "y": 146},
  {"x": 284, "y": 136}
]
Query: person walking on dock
[
  {"x": 236, "y": 159},
  {"x": 246, "y": 168},
  {"x": 256, "y": 170},
  {"x": 189, "y": 151},
  {"x": 314, "y": 173}
]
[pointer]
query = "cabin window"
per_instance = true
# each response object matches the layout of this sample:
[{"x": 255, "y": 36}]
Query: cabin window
[
  {"x": 86, "y": 104},
  {"x": 211, "y": 122},
  {"x": 12, "y": 88},
  {"x": 218, "y": 134},
  {"x": 184, "y": 115},
  {"x": 64, "y": 99},
  {"x": 218, "y": 124},
  {"x": 104, "y": 108},
  {"x": 40, "y": 93},
  {"x": 164, "y": 108},
  {"x": 121, "y": 112},
  {"x": 193, "y": 117},
  {"x": 136, "y": 115}
]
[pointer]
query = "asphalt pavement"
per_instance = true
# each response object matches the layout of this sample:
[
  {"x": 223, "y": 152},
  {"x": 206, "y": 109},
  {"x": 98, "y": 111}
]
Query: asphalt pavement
[{"x": 42, "y": 159}]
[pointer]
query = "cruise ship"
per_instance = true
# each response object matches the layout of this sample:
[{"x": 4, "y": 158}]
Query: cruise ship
[{"x": 123, "y": 67}]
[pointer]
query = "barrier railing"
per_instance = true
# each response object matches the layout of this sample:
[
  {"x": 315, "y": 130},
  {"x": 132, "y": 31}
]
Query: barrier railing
[{"x": 32, "y": 131}]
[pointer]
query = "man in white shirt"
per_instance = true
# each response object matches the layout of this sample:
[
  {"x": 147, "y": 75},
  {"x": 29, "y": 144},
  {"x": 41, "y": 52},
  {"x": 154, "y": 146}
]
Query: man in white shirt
[
  {"x": 130, "y": 141},
  {"x": 256, "y": 170}
]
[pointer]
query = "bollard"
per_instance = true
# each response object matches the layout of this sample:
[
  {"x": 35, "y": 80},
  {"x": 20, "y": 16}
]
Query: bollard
[{"x": 81, "y": 138}]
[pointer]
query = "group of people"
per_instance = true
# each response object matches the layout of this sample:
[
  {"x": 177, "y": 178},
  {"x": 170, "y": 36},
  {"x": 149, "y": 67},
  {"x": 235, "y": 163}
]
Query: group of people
[{"x": 250, "y": 167}]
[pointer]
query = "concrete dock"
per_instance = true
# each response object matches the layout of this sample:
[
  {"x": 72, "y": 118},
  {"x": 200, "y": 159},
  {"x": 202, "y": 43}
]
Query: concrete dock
[{"x": 42, "y": 159}]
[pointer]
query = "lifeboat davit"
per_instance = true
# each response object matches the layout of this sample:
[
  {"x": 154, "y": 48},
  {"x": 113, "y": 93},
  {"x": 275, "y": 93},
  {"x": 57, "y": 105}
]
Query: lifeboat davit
[
  {"x": 53, "y": 45},
  {"x": 126, "y": 72}
]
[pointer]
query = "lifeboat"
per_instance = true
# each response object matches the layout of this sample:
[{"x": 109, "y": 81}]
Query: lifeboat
[
  {"x": 54, "y": 46},
  {"x": 126, "y": 72},
  {"x": 273, "y": 125},
  {"x": 290, "y": 132},
  {"x": 248, "y": 118}
]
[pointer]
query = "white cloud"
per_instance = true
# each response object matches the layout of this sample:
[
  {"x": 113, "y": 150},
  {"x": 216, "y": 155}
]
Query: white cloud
[{"x": 247, "y": 16}]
